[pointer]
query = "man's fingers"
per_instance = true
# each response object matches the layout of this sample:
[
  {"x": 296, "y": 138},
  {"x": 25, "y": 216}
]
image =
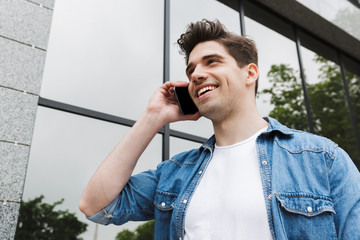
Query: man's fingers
[{"x": 171, "y": 84}]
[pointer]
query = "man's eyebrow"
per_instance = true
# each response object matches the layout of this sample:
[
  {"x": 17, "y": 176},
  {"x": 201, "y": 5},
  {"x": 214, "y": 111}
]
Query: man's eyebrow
[
  {"x": 211, "y": 56},
  {"x": 204, "y": 58}
]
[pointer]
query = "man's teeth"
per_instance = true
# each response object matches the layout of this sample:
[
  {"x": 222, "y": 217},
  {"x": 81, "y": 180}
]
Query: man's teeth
[{"x": 205, "y": 89}]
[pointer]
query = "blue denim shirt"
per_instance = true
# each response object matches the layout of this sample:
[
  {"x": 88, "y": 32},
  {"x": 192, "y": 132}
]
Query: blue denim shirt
[{"x": 311, "y": 188}]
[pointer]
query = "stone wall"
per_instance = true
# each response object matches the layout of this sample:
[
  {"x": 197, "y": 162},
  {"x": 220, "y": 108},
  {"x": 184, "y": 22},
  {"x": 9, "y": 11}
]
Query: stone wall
[{"x": 24, "y": 33}]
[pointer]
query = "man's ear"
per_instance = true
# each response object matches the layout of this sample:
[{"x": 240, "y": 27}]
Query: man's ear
[{"x": 253, "y": 74}]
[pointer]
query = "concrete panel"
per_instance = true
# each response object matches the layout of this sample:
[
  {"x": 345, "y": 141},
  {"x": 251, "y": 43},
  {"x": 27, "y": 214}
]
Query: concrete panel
[
  {"x": 8, "y": 220},
  {"x": 21, "y": 67},
  {"x": 17, "y": 115},
  {"x": 25, "y": 22},
  {"x": 45, "y": 3},
  {"x": 13, "y": 164}
]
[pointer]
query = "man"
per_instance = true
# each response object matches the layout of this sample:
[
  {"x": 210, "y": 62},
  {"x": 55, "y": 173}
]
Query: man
[{"x": 254, "y": 179}]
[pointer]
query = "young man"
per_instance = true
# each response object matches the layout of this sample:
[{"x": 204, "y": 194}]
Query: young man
[{"x": 254, "y": 179}]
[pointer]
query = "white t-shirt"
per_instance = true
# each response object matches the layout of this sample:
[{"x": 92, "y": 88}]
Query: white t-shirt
[{"x": 229, "y": 202}]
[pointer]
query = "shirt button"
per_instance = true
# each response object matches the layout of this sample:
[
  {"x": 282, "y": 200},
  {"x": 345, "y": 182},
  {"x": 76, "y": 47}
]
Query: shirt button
[
  {"x": 270, "y": 196},
  {"x": 185, "y": 201},
  {"x": 200, "y": 172},
  {"x": 309, "y": 209},
  {"x": 163, "y": 204},
  {"x": 264, "y": 162}
]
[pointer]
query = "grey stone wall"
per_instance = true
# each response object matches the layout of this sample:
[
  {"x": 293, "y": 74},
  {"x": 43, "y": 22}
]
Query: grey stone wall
[{"x": 24, "y": 33}]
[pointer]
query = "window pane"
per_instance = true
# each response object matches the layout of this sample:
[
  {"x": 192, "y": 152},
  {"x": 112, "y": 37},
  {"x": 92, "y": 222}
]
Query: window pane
[
  {"x": 280, "y": 93},
  {"x": 66, "y": 150},
  {"x": 182, "y": 13},
  {"x": 327, "y": 96},
  {"x": 352, "y": 72},
  {"x": 105, "y": 55}
]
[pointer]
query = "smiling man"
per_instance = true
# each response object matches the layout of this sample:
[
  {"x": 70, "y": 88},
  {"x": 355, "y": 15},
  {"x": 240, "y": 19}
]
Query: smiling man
[{"x": 254, "y": 179}]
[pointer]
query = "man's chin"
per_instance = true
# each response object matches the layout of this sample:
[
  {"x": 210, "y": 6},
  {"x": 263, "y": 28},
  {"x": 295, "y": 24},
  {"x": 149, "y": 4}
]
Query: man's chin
[{"x": 211, "y": 113}]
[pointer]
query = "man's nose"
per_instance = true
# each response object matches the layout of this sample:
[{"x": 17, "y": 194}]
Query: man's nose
[{"x": 198, "y": 76}]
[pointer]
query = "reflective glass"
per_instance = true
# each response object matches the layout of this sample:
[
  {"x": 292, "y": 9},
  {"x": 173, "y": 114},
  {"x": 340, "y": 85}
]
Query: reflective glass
[
  {"x": 342, "y": 13},
  {"x": 105, "y": 55},
  {"x": 182, "y": 13},
  {"x": 66, "y": 150},
  {"x": 328, "y": 104},
  {"x": 178, "y": 145},
  {"x": 280, "y": 93},
  {"x": 352, "y": 73}
]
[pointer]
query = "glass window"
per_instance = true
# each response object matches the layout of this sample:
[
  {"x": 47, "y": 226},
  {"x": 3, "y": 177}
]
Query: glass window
[
  {"x": 280, "y": 93},
  {"x": 66, "y": 150},
  {"x": 327, "y": 95},
  {"x": 182, "y": 13},
  {"x": 352, "y": 73},
  {"x": 105, "y": 55}
]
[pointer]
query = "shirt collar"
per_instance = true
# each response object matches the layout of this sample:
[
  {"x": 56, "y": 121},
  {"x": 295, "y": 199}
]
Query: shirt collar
[{"x": 274, "y": 128}]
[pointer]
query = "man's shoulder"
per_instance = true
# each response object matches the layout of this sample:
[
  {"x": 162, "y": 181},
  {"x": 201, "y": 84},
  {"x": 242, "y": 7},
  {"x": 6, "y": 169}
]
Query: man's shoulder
[
  {"x": 307, "y": 138},
  {"x": 186, "y": 157},
  {"x": 190, "y": 157},
  {"x": 297, "y": 141}
]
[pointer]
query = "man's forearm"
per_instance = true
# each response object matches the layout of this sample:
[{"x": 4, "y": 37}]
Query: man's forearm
[{"x": 115, "y": 171}]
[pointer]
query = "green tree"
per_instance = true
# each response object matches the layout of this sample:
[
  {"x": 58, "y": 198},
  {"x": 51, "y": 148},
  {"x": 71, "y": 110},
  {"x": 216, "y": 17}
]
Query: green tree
[
  {"x": 286, "y": 96},
  {"x": 38, "y": 220},
  {"x": 142, "y": 232},
  {"x": 126, "y": 235},
  {"x": 327, "y": 102}
]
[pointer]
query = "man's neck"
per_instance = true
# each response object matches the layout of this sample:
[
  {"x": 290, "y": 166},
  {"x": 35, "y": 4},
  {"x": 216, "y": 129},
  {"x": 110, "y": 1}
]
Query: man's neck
[{"x": 237, "y": 128}]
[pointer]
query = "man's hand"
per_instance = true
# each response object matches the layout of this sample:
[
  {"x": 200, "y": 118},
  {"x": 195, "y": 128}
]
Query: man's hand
[{"x": 163, "y": 102}]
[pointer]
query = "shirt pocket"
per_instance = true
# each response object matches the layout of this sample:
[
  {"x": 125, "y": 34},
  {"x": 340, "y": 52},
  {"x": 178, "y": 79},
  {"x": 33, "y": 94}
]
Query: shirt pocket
[
  {"x": 164, "y": 203},
  {"x": 306, "y": 216}
]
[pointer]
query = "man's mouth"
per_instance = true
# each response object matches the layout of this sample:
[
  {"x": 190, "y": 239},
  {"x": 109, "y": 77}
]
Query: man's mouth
[{"x": 206, "y": 89}]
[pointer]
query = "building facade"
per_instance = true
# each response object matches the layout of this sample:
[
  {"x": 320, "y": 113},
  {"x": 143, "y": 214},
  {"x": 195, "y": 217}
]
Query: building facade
[
  {"x": 24, "y": 32},
  {"x": 59, "y": 118}
]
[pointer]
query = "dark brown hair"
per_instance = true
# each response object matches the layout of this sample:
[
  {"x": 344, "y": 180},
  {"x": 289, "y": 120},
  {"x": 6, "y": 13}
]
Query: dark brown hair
[{"x": 242, "y": 49}]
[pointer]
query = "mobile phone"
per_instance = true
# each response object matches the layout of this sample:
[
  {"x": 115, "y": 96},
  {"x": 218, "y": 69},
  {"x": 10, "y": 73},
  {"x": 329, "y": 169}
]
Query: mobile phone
[{"x": 184, "y": 100}]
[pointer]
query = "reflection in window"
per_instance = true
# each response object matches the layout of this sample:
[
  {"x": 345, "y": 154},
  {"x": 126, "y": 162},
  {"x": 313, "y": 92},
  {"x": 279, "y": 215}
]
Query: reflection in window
[
  {"x": 280, "y": 91},
  {"x": 66, "y": 150},
  {"x": 353, "y": 82},
  {"x": 105, "y": 55},
  {"x": 328, "y": 102},
  {"x": 182, "y": 13}
]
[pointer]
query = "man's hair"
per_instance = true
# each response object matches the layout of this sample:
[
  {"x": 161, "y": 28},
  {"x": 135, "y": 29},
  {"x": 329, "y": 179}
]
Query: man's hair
[{"x": 242, "y": 49}]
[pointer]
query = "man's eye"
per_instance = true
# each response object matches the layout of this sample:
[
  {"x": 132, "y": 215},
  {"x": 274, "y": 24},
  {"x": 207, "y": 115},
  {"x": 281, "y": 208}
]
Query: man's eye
[{"x": 210, "y": 61}]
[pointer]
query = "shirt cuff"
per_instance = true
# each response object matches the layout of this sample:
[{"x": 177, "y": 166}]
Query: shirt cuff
[{"x": 104, "y": 216}]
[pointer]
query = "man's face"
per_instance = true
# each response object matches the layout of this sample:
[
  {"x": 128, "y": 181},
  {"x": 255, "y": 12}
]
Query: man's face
[{"x": 217, "y": 83}]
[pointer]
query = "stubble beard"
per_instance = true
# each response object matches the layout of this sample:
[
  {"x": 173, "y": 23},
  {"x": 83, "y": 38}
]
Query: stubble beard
[{"x": 214, "y": 112}]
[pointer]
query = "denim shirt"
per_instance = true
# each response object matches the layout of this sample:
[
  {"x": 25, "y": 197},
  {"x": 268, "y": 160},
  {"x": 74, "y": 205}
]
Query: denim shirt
[{"x": 311, "y": 188}]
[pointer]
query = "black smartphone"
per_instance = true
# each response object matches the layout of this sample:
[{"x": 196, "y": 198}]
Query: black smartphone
[{"x": 184, "y": 100}]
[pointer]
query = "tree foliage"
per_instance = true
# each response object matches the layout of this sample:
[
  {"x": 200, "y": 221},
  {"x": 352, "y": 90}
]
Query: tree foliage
[
  {"x": 38, "y": 220},
  {"x": 328, "y": 103},
  {"x": 142, "y": 232}
]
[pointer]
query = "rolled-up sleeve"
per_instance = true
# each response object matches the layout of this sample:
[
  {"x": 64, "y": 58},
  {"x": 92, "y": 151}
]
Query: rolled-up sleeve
[
  {"x": 134, "y": 203},
  {"x": 104, "y": 215}
]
